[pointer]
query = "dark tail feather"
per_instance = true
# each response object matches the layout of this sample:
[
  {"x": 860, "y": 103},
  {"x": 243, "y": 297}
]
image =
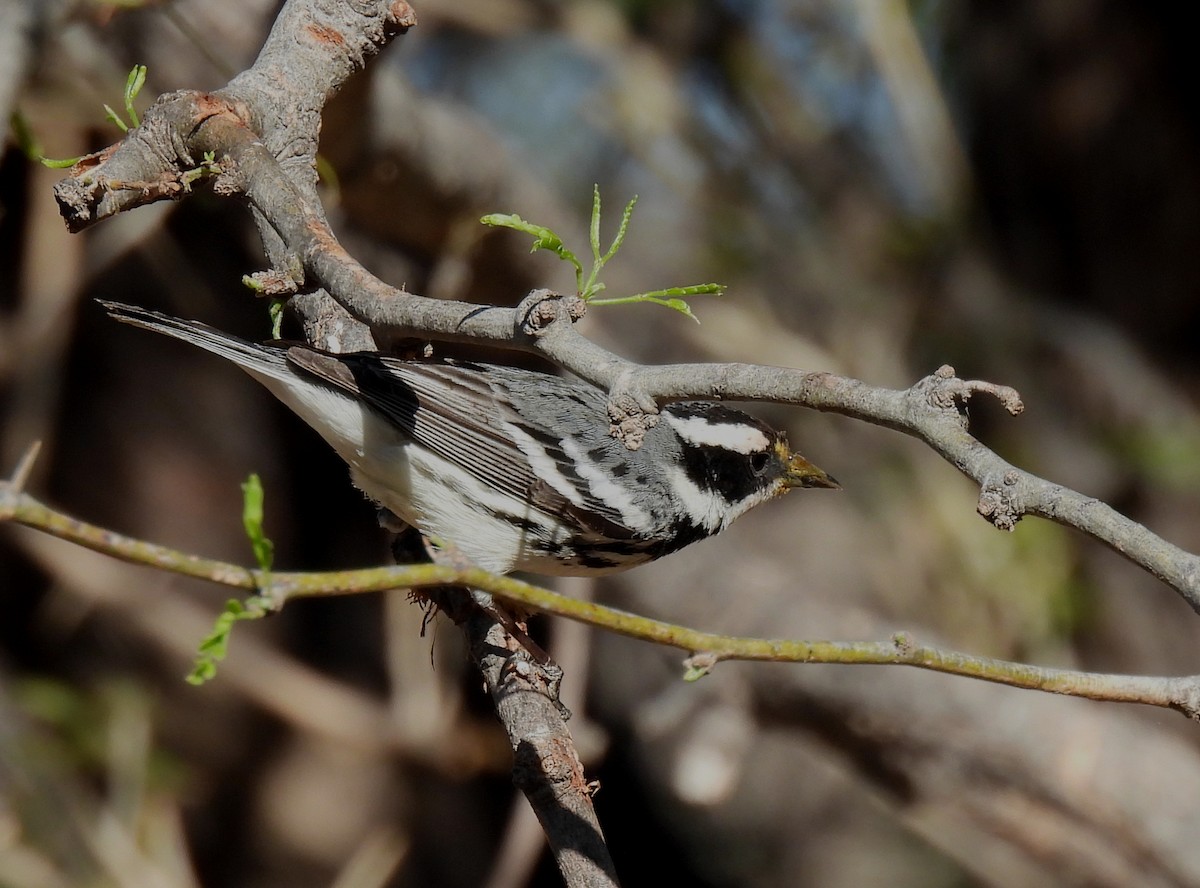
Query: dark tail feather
[{"x": 267, "y": 360}]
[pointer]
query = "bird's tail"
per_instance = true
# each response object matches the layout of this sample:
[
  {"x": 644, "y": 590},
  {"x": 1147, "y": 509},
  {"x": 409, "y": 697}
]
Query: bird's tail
[{"x": 258, "y": 360}]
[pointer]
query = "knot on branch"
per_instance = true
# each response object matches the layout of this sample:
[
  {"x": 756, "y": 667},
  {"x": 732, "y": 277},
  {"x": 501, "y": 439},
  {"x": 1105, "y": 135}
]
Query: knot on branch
[
  {"x": 631, "y": 413},
  {"x": 944, "y": 392},
  {"x": 541, "y": 308},
  {"x": 155, "y": 161},
  {"x": 521, "y": 673},
  {"x": 904, "y": 644},
  {"x": 699, "y": 665},
  {"x": 277, "y": 283},
  {"x": 998, "y": 501},
  {"x": 548, "y": 761},
  {"x": 76, "y": 198},
  {"x": 1187, "y": 698},
  {"x": 400, "y": 17}
]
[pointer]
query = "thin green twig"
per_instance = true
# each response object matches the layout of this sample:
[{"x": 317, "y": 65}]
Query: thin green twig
[{"x": 708, "y": 649}]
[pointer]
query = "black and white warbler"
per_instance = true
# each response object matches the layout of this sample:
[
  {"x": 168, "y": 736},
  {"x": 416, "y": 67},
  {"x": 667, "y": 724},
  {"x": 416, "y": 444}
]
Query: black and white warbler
[{"x": 517, "y": 468}]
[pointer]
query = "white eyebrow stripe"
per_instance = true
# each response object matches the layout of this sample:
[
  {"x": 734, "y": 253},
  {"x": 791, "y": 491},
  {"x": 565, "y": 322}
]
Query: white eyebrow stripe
[
  {"x": 731, "y": 436},
  {"x": 706, "y": 507}
]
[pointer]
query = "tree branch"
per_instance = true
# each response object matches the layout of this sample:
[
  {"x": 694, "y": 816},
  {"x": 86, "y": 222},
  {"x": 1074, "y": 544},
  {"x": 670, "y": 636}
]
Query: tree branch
[
  {"x": 1180, "y": 693},
  {"x": 546, "y": 766}
]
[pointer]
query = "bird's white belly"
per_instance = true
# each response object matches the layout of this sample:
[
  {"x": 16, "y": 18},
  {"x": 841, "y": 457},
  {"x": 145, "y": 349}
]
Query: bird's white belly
[
  {"x": 444, "y": 501},
  {"x": 439, "y": 498}
]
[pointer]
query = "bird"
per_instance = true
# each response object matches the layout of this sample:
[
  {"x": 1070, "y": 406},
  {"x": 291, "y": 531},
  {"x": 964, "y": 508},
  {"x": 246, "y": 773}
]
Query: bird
[{"x": 516, "y": 468}]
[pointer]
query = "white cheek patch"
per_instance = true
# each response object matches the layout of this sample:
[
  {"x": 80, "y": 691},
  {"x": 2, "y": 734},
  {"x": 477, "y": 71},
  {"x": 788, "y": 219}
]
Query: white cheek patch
[
  {"x": 729, "y": 436},
  {"x": 706, "y": 507}
]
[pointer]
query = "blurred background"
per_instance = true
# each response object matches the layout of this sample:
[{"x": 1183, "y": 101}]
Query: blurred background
[{"x": 884, "y": 187}]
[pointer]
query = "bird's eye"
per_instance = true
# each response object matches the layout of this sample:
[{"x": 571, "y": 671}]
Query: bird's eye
[{"x": 758, "y": 462}]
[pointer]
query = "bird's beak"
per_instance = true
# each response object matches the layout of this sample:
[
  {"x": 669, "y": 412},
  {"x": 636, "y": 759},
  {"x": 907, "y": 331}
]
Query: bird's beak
[{"x": 801, "y": 473}]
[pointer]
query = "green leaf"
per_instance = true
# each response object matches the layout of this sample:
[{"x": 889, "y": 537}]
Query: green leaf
[
  {"x": 621, "y": 229},
  {"x": 113, "y": 117},
  {"x": 680, "y": 306},
  {"x": 133, "y": 85},
  {"x": 674, "y": 304},
  {"x": 589, "y": 287},
  {"x": 28, "y": 143},
  {"x": 543, "y": 238},
  {"x": 691, "y": 290},
  {"x": 253, "y": 498},
  {"x": 592, "y": 286},
  {"x": 665, "y": 298},
  {"x": 594, "y": 232},
  {"x": 327, "y": 175},
  {"x": 23, "y": 135},
  {"x": 275, "y": 311},
  {"x": 215, "y": 646}
]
